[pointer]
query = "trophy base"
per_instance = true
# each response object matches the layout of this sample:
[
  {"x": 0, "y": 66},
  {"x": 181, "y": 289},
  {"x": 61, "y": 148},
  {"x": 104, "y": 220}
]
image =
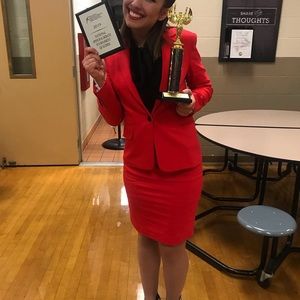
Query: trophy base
[{"x": 176, "y": 97}]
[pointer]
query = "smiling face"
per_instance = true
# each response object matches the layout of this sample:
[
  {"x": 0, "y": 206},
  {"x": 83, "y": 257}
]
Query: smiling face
[{"x": 141, "y": 15}]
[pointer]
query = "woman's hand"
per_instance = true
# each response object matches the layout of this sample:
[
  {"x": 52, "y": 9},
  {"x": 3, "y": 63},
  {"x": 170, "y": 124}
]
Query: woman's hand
[
  {"x": 94, "y": 65},
  {"x": 184, "y": 109}
]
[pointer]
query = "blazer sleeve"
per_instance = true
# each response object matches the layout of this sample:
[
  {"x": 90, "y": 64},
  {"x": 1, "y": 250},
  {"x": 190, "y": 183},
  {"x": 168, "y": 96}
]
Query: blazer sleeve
[
  {"x": 197, "y": 78},
  {"x": 109, "y": 103}
]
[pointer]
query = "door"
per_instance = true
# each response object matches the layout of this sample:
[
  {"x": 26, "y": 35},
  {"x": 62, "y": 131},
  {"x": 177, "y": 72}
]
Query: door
[{"x": 38, "y": 116}]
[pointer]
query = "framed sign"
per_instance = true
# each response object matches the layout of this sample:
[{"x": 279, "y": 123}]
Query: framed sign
[
  {"x": 100, "y": 29},
  {"x": 241, "y": 43},
  {"x": 249, "y": 30}
]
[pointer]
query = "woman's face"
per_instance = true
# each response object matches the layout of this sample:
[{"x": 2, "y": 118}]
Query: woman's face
[{"x": 141, "y": 15}]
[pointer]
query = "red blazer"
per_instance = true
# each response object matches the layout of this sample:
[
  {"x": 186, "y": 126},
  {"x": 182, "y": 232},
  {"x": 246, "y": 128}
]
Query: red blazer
[{"x": 161, "y": 137}]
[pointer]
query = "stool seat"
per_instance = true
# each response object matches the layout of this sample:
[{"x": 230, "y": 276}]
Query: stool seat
[{"x": 267, "y": 220}]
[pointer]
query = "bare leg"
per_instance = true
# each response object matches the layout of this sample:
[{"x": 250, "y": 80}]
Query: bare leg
[
  {"x": 175, "y": 266},
  {"x": 149, "y": 263}
]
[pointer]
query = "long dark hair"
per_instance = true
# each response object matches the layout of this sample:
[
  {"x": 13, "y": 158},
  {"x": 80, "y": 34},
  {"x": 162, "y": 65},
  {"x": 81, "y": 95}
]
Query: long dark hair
[{"x": 154, "y": 38}]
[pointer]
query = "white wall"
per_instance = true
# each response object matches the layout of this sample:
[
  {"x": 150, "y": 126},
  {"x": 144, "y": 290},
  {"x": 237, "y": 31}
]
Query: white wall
[
  {"x": 87, "y": 101},
  {"x": 289, "y": 31}
]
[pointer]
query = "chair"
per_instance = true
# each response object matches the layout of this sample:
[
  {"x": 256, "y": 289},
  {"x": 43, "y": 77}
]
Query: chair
[{"x": 272, "y": 223}]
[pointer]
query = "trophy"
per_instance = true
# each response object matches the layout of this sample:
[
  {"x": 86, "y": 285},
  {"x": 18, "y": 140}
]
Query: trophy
[{"x": 173, "y": 94}]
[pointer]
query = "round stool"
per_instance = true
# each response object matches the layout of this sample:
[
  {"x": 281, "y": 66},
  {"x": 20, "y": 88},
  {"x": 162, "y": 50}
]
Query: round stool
[
  {"x": 267, "y": 220},
  {"x": 271, "y": 223}
]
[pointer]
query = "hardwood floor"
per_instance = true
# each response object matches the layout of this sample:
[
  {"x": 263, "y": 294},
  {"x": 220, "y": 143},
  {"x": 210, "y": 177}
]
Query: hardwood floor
[{"x": 65, "y": 233}]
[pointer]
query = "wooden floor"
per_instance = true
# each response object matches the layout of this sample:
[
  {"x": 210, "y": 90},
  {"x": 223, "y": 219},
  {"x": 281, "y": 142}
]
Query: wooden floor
[{"x": 65, "y": 234}]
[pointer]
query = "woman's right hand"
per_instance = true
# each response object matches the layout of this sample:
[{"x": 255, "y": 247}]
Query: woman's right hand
[{"x": 94, "y": 65}]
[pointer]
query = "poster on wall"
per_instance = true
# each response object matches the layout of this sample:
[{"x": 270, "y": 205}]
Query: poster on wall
[{"x": 241, "y": 43}]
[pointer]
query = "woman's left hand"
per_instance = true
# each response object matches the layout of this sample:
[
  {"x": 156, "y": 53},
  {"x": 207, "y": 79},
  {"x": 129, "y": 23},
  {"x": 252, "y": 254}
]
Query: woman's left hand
[{"x": 184, "y": 109}]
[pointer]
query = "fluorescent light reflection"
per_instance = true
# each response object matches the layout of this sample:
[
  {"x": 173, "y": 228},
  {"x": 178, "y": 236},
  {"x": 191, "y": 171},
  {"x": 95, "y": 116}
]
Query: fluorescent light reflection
[
  {"x": 96, "y": 200},
  {"x": 124, "y": 199},
  {"x": 139, "y": 292},
  {"x": 102, "y": 199}
]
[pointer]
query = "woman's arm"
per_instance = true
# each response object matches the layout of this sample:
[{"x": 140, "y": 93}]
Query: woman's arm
[
  {"x": 108, "y": 102},
  {"x": 197, "y": 78}
]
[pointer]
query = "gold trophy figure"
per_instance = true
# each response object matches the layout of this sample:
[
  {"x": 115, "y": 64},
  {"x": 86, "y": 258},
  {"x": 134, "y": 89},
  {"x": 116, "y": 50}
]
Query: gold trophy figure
[{"x": 173, "y": 94}]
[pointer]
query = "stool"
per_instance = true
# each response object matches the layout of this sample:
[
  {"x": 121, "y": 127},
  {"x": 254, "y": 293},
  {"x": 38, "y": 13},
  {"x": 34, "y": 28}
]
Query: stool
[{"x": 272, "y": 223}]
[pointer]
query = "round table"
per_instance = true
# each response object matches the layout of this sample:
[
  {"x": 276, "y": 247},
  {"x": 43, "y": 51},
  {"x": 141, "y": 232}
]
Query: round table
[
  {"x": 253, "y": 117},
  {"x": 266, "y": 134}
]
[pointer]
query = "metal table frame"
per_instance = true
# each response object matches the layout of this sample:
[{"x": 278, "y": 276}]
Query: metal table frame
[{"x": 268, "y": 265}]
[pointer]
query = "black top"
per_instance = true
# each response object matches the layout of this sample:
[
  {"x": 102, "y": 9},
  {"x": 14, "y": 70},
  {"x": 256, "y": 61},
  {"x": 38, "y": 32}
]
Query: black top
[{"x": 146, "y": 74}]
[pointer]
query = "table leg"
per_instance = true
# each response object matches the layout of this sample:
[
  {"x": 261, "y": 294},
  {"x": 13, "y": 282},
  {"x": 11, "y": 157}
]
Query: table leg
[
  {"x": 238, "y": 198},
  {"x": 277, "y": 258},
  {"x": 296, "y": 192}
]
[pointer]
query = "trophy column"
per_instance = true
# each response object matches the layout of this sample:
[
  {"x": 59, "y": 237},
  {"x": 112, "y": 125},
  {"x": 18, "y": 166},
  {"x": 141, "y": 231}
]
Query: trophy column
[
  {"x": 173, "y": 94},
  {"x": 175, "y": 69}
]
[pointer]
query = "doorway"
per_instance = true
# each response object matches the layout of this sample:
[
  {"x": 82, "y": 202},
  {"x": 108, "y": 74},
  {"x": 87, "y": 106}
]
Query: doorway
[
  {"x": 96, "y": 150},
  {"x": 101, "y": 143}
]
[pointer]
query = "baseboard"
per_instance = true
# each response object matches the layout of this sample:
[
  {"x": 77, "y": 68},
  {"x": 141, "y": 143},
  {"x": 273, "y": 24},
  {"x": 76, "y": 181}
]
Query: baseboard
[{"x": 90, "y": 134}]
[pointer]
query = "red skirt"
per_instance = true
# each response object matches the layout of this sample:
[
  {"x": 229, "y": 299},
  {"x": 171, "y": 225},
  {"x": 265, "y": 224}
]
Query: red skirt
[{"x": 163, "y": 205}]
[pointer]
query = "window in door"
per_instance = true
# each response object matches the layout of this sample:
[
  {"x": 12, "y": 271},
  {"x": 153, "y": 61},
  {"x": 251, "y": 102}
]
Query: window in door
[{"x": 18, "y": 33}]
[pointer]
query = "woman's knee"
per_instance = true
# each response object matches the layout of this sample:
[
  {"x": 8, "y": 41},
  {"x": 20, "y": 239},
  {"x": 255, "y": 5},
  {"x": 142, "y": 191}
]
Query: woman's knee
[
  {"x": 169, "y": 252},
  {"x": 146, "y": 241}
]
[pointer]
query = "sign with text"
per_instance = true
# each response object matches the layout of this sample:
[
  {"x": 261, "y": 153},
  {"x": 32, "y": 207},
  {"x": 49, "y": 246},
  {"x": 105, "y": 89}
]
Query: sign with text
[
  {"x": 246, "y": 16},
  {"x": 249, "y": 30},
  {"x": 99, "y": 29}
]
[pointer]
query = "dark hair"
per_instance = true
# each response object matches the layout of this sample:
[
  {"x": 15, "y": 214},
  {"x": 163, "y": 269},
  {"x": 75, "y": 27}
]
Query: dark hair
[
  {"x": 169, "y": 3},
  {"x": 154, "y": 38}
]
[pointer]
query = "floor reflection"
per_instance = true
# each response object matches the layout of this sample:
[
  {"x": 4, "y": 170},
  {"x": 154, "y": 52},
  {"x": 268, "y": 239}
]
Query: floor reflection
[
  {"x": 124, "y": 199},
  {"x": 139, "y": 292}
]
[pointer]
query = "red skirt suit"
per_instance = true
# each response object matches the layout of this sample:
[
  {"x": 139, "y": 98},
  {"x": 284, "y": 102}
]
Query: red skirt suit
[{"x": 162, "y": 156}]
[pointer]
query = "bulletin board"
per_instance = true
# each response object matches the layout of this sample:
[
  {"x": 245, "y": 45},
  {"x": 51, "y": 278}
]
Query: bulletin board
[{"x": 249, "y": 30}]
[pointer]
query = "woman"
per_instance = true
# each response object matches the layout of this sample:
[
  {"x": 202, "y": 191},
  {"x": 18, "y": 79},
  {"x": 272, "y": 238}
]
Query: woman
[{"x": 162, "y": 157}]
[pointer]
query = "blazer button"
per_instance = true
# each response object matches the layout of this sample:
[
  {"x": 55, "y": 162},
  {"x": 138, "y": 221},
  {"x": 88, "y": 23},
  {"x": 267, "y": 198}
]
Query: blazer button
[{"x": 149, "y": 119}]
